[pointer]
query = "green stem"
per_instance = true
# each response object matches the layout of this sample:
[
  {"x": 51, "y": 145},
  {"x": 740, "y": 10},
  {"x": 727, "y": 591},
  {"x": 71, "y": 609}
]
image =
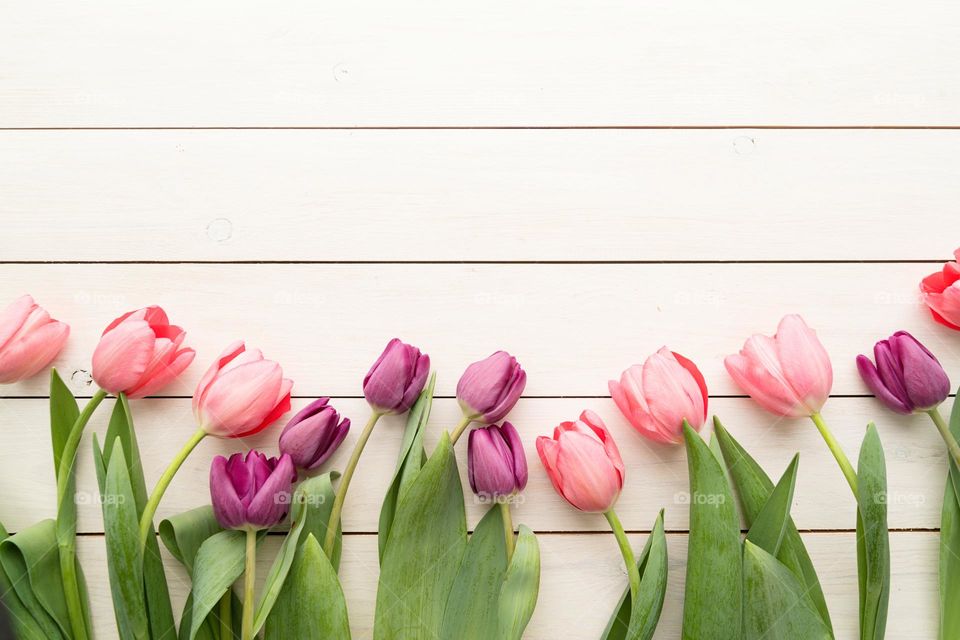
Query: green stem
[
  {"x": 461, "y": 427},
  {"x": 837, "y": 452},
  {"x": 249, "y": 577},
  {"x": 628, "y": 557},
  {"x": 945, "y": 433},
  {"x": 507, "y": 528},
  {"x": 146, "y": 520},
  {"x": 226, "y": 616},
  {"x": 334, "y": 523},
  {"x": 67, "y": 531}
]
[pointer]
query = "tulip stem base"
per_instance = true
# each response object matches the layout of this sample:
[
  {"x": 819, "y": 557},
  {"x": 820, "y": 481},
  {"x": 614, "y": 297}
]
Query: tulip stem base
[
  {"x": 333, "y": 524},
  {"x": 146, "y": 520},
  {"x": 67, "y": 531},
  {"x": 628, "y": 558},
  {"x": 461, "y": 427},
  {"x": 504, "y": 506},
  {"x": 952, "y": 446},
  {"x": 837, "y": 451},
  {"x": 249, "y": 578}
]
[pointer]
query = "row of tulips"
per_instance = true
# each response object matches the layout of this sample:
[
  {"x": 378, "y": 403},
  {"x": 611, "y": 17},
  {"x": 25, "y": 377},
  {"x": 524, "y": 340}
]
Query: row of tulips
[{"x": 436, "y": 581}]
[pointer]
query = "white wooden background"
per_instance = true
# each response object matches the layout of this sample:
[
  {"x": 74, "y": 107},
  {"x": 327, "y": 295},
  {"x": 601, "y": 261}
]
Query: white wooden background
[{"x": 578, "y": 183}]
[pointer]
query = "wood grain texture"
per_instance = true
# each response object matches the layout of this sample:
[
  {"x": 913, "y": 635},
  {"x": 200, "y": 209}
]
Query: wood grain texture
[
  {"x": 375, "y": 63},
  {"x": 633, "y": 195}
]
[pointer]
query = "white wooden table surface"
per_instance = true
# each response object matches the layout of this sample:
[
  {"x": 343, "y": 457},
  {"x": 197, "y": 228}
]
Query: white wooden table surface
[{"x": 578, "y": 183}]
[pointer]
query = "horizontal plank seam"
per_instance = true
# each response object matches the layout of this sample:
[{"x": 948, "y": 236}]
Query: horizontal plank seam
[
  {"x": 812, "y": 261},
  {"x": 840, "y": 396},
  {"x": 626, "y": 127}
]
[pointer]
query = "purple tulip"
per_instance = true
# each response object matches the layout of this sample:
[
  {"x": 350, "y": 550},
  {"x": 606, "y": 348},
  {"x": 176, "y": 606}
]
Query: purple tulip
[
  {"x": 251, "y": 492},
  {"x": 906, "y": 377},
  {"x": 396, "y": 378},
  {"x": 488, "y": 389},
  {"x": 312, "y": 435},
  {"x": 496, "y": 463}
]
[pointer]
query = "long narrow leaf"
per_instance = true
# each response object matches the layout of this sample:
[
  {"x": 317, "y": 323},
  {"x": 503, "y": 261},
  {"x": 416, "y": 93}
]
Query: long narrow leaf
[
  {"x": 771, "y": 523},
  {"x": 873, "y": 548},
  {"x": 24, "y": 625},
  {"x": 521, "y": 586},
  {"x": 950, "y": 543},
  {"x": 31, "y": 561},
  {"x": 219, "y": 562}
]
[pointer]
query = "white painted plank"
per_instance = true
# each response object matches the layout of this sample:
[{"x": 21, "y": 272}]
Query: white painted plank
[
  {"x": 656, "y": 475},
  {"x": 114, "y": 63},
  {"x": 582, "y": 578},
  {"x": 572, "y": 326},
  {"x": 477, "y": 195}
]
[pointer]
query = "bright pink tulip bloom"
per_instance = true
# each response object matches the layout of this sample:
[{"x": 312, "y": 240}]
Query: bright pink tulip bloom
[
  {"x": 139, "y": 353},
  {"x": 583, "y": 463},
  {"x": 241, "y": 393},
  {"x": 941, "y": 293},
  {"x": 29, "y": 339},
  {"x": 788, "y": 374},
  {"x": 657, "y": 397}
]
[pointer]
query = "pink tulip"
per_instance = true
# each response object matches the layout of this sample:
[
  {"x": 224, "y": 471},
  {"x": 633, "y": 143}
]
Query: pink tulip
[
  {"x": 657, "y": 397},
  {"x": 139, "y": 353},
  {"x": 241, "y": 393},
  {"x": 583, "y": 463},
  {"x": 941, "y": 293},
  {"x": 788, "y": 374},
  {"x": 29, "y": 339}
]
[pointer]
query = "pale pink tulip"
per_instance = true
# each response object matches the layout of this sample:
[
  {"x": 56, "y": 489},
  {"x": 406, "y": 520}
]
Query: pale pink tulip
[
  {"x": 241, "y": 393},
  {"x": 659, "y": 395},
  {"x": 29, "y": 339},
  {"x": 583, "y": 463},
  {"x": 139, "y": 353},
  {"x": 788, "y": 374}
]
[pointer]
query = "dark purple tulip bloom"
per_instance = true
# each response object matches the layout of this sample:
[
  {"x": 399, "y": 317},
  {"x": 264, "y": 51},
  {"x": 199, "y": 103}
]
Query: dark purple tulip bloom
[
  {"x": 252, "y": 491},
  {"x": 488, "y": 389},
  {"x": 312, "y": 435},
  {"x": 496, "y": 463},
  {"x": 396, "y": 378},
  {"x": 906, "y": 377}
]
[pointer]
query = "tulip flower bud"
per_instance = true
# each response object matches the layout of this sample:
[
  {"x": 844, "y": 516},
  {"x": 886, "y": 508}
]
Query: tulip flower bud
[
  {"x": 583, "y": 463},
  {"x": 241, "y": 393},
  {"x": 29, "y": 340},
  {"x": 906, "y": 377},
  {"x": 496, "y": 464},
  {"x": 789, "y": 374},
  {"x": 489, "y": 389},
  {"x": 312, "y": 435},
  {"x": 941, "y": 293},
  {"x": 251, "y": 492},
  {"x": 139, "y": 353},
  {"x": 396, "y": 378},
  {"x": 657, "y": 397}
]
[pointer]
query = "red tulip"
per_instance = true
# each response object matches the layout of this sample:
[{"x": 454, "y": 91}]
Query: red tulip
[
  {"x": 941, "y": 293},
  {"x": 29, "y": 340},
  {"x": 241, "y": 393},
  {"x": 139, "y": 353},
  {"x": 583, "y": 463}
]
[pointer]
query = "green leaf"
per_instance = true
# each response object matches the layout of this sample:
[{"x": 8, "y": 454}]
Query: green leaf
[
  {"x": 124, "y": 560},
  {"x": 472, "y": 608},
  {"x": 640, "y": 623},
  {"x": 411, "y": 459},
  {"x": 219, "y": 562},
  {"x": 184, "y": 533},
  {"x": 521, "y": 586},
  {"x": 31, "y": 561},
  {"x": 63, "y": 413},
  {"x": 950, "y": 543},
  {"x": 873, "y": 538},
  {"x": 277, "y": 575},
  {"x": 712, "y": 600},
  {"x": 313, "y": 501},
  {"x": 317, "y": 609},
  {"x": 754, "y": 488},
  {"x": 775, "y": 607},
  {"x": 424, "y": 550},
  {"x": 771, "y": 524},
  {"x": 24, "y": 625}
]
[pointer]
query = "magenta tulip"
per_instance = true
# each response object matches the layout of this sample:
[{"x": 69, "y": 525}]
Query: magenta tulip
[
  {"x": 659, "y": 395},
  {"x": 396, "y": 379},
  {"x": 252, "y": 491},
  {"x": 29, "y": 340},
  {"x": 242, "y": 393},
  {"x": 906, "y": 377},
  {"x": 313, "y": 434},
  {"x": 139, "y": 353},
  {"x": 583, "y": 463},
  {"x": 489, "y": 389},
  {"x": 496, "y": 464}
]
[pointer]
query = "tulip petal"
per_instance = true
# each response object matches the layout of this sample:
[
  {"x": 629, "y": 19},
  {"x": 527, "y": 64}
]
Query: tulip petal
[
  {"x": 672, "y": 395},
  {"x": 122, "y": 355},
  {"x": 162, "y": 373},
  {"x": 512, "y": 438},
  {"x": 805, "y": 362},
  {"x": 27, "y": 356},
  {"x": 871, "y": 377},
  {"x": 13, "y": 317},
  {"x": 590, "y": 481},
  {"x": 769, "y": 392},
  {"x": 945, "y": 306},
  {"x": 238, "y": 400},
  {"x": 227, "y": 507},
  {"x": 270, "y": 504},
  {"x": 926, "y": 382},
  {"x": 548, "y": 449},
  {"x": 232, "y": 351}
]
